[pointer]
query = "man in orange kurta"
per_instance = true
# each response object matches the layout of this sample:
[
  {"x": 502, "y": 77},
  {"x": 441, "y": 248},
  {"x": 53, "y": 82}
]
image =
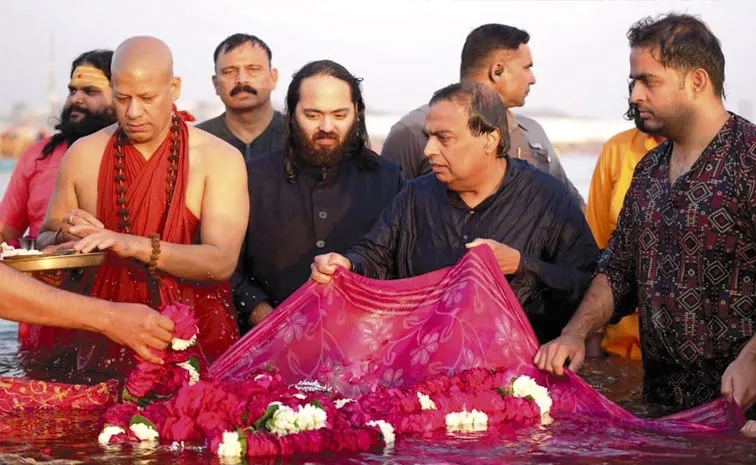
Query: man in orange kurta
[
  {"x": 610, "y": 182},
  {"x": 152, "y": 175}
]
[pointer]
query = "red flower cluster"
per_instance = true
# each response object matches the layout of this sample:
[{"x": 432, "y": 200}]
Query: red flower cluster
[
  {"x": 161, "y": 396},
  {"x": 164, "y": 399},
  {"x": 474, "y": 389},
  {"x": 149, "y": 381}
]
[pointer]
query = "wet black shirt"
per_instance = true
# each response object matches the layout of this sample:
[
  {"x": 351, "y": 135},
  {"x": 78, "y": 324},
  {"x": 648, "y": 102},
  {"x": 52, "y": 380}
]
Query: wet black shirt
[
  {"x": 290, "y": 223},
  {"x": 427, "y": 226}
]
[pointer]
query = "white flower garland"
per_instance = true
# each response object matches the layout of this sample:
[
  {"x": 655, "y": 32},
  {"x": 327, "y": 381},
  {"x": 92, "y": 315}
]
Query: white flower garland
[
  {"x": 527, "y": 387},
  {"x": 194, "y": 375},
  {"x": 426, "y": 403},
  {"x": 231, "y": 445},
  {"x": 340, "y": 403},
  {"x": 108, "y": 432},
  {"x": 183, "y": 344},
  {"x": 144, "y": 432},
  {"x": 386, "y": 430},
  {"x": 467, "y": 421},
  {"x": 286, "y": 420}
]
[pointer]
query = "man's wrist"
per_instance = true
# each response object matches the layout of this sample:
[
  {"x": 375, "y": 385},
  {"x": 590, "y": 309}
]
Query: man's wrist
[
  {"x": 574, "y": 332},
  {"x": 748, "y": 351},
  {"x": 138, "y": 247},
  {"x": 97, "y": 315},
  {"x": 520, "y": 262}
]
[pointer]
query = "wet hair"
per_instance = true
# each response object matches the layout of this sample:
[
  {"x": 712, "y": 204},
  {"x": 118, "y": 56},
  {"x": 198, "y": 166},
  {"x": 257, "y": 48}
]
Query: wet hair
[
  {"x": 488, "y": 39},
  {"x": 682, "y": 42},
  {"x": 486, "y": 112},
  {"x": 235, "y": 41},
  {"x": 360, "y": 143},
  {"x": 101, "y": 60}
]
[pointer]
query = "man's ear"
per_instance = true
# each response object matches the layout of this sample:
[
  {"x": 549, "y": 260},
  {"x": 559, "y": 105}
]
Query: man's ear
[
  {"x": 495, "y": 70},
  {"x": 175, "y": 88}
]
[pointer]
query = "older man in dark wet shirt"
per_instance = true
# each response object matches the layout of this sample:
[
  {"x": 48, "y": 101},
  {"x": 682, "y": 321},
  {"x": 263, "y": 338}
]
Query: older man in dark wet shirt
[{"x": 477, "y": 195}]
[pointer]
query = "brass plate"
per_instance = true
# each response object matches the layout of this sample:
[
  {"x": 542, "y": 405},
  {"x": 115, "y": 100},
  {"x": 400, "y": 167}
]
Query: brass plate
[{"x": 59, "y": 261}]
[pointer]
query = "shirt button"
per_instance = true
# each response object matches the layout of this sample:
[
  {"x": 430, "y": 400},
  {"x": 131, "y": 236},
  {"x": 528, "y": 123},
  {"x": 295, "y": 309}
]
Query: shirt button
[
  {"x": 320, "y": 244},
  {"x": 465, "y": 237},
  {"x": 323, "y": 215}
]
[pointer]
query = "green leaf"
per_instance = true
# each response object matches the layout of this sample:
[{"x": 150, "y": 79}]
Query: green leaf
[
  {"x": 129, "y": 397},
  {"x": 245, "y": 417},
  {"x": 260, "y": 423},
  {"x": 502, "y": 391},
  {"x": 242, "y": 441},
  {"x": 194, "y": 362},
  {"x": 316, "y": 403},
  {"x": 136, "y": 419}
]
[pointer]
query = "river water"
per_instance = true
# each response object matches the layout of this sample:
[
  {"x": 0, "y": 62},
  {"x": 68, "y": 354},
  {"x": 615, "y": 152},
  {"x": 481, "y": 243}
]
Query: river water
[{"x": 66, "y": 438}]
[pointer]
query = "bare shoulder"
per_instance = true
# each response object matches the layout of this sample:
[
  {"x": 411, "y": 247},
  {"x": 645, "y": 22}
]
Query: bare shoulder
[
  {"x": 210, "y": 145},
  {"x": 90, "y": 147},
  {"x": 208, "y": 149}
]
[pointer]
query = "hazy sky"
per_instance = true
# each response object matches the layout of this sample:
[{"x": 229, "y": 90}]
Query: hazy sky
[{"x": 403, "y": 49}]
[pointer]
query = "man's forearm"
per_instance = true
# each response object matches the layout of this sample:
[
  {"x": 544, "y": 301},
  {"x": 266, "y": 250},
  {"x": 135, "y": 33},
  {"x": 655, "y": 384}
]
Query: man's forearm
[
  {"x": 198, "y": 262},
  {"x": 749, "y": 349},
  {"x": 595, "y": 310},
  {"x": 27, "y": 300}
]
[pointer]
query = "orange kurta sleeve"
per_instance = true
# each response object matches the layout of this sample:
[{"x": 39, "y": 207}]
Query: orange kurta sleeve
[{"x": 598, "y": 209}]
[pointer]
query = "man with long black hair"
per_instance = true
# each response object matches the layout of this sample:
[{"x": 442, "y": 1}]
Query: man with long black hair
[
  {"x": 319, "y": 194},
  {"x": 88, "y": 108}
]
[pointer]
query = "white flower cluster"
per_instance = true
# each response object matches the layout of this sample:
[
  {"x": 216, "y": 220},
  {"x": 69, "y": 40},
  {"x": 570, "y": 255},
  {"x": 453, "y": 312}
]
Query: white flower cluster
[
  {"x": 144, "y": 432},
  {"x": 386, "y": 430},
  {"x": 183, "y": 344},
  {"x": 340, "y": 403},
  {"x": 231, "y": 445},
  {"x": 108, "y": 432},
  {"x": 426, "y": 403},
  {"x": 525, "y": 386},
  {"x": 194, "y": 375},
  {"x": 286, "y": 420},
  {"x": 467, "y": 421}
]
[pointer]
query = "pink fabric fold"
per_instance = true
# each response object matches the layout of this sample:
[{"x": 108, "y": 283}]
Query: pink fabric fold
[{"x": 357, "y": 332}]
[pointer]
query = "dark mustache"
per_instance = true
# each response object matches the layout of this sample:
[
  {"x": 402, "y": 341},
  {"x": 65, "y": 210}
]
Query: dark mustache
[
  {"x": 325, "y": 135},
  {"x": 67, "y": 112},
  {"x": 243, "y": 88}
]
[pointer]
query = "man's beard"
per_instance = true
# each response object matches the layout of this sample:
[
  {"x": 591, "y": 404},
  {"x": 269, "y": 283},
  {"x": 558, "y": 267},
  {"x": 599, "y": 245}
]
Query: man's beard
[
  {"x": 315, "y": 155},
  {"x": 667, "y": 127},
  {"x": 89, "y": 123}
]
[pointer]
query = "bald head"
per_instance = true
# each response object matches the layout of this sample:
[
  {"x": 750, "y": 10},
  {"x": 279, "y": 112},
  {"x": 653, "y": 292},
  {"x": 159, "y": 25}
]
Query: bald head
[
  {"x": 144, "y": 56},
  {"x": 144, "y": 88}
]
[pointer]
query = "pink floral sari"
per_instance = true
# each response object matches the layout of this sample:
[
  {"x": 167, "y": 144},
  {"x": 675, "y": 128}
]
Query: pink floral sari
[{"x": 357, "y": 332}]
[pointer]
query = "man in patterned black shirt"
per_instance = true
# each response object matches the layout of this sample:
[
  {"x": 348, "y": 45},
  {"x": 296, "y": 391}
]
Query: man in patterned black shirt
[{"x": 685, "y": 247}]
